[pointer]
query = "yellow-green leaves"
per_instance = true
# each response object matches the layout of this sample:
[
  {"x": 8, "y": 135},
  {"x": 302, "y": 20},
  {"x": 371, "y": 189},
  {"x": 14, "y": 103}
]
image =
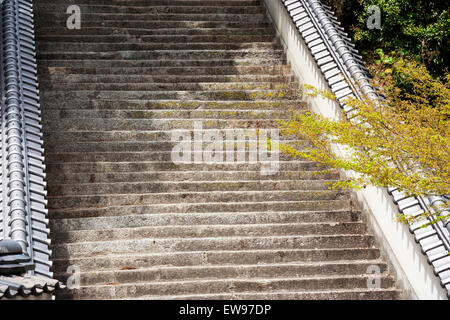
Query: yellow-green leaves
[{"x": 404, "y": 143}]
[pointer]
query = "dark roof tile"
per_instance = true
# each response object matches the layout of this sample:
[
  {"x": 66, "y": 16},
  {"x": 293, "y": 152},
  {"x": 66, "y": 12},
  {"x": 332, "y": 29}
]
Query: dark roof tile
[{"x": 26, "y": 285}]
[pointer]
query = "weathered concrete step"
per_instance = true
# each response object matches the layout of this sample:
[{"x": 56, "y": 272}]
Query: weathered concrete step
[
  {"x": 237, "y": 146},
  {"x": 226, "y": 83},
  {"x": 146, "y": 3},
  {"x": 91, "y": 249},
  {"x": 144, "y": 74},
  {"x": 163, "y": 55},
  {"x": 128, "y": 38},
  {"x": 200, "y": 186},
  {"x": 142, "y": 124},
  {"x": 194, "y": 82},
  {"x": 105, "y": 19},
  {"x": 146, "y": 156},
  {"x": 129, "y": 146},
  {"x": 151, "y": 9},
  {"x": 64, "y": 177},
  {"x": 284, "y": 84},
  {"x": 146, "y": 104},
  {"x": 140, "y": 46},
  {"x": 209, "y": 258},
  {"x": 121, "y": 142},
  {"x": 107, "y": 167},
  {"x": 53, "y": 138},
  {"x": 246, "y": 95},
  {"x": 132, "y": 209},
  {"x": 240, "y": 147},
  {"x": 44, "y": 65},
  {"x": 244, "y": 272},
  {"x": 156, "y": 24},
  {"x": 306, "y": 284},
  {"x": 168, "y": 114},
  {"x": 54, "y": 32},
  {"x": 189, "y": 197},
  {"x": 335, "y": 294},
  {"x": 208, "y": 231},
  {"x": 202, "y": 219},
  {"x": 112, "y": 124}
]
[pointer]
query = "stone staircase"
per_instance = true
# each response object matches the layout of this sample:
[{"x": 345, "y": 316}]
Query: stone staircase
[{"x": 140, "y": 226}]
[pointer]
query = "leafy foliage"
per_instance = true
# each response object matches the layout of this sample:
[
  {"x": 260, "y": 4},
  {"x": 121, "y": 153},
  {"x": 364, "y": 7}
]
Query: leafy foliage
[
  {"x": 418, "y": 28},
  {"x": 402, "y": 143}
]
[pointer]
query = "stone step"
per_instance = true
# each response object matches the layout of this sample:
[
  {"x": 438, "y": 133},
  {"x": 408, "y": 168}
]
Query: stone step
[
  {"x": 207, "y": 231},
  {"x": 235, "y": 146},
  {"x": 335, "y": 294},
  {"x": 142, "y": 124},
  {"x": 107, "y": 167},
  {"x": 145, "y": 176},
  {"x": 55, "y": 32},
  {"x": 203, "y": 219},
  {"x": 231, "y": 286},
  {"x": 44, "y": 65},
  {"x": 55, "y": 138},
  {"x": 91, "y": 249},
  {"x": 150, "y": 9},
  {"x": 230, "y": 95},
  {"x": 244, "y": 272},
  {"x": 210, "y": 258},
  {"x": 167, "y": 114},
  {"x": 139, "y": 46},
  {"x": 180, "y": 86},
  {"x": 155, "y": 24},
  {"x": 80, "y": 81},
  {"x": 125, "y": 19},
  {"x": 188, "y": 197},
  {"x": 113, "y": 124},
  {"x": 185, "y": 186},
  {"x": 144, "y": 74},
  {"x": 146, "y": 3},
  {"x": 163, "y": 55},
  {"x": 164, "y": 104},
  {"x": 234, "y": 149},
  {"x": 187, "y": 208},
  {"x": 151, "y": 156},
  {"x": 144, "y": 38},
  {"x": 247, "y": 144}
]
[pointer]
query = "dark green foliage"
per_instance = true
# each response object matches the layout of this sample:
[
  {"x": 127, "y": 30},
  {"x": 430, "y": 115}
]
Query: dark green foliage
[{"x": 416, "y": 28}]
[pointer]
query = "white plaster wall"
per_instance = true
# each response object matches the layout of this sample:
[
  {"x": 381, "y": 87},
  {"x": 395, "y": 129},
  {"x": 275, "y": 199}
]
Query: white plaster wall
[{"x": 414, "y": 275}]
